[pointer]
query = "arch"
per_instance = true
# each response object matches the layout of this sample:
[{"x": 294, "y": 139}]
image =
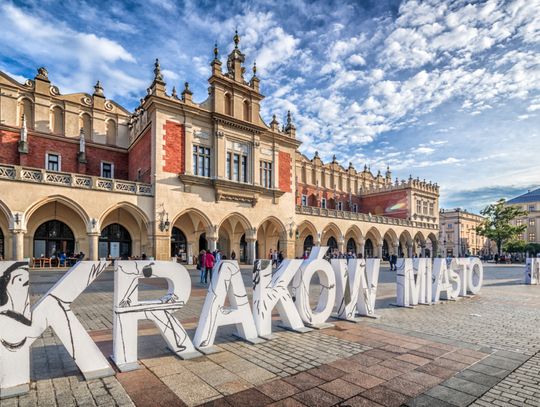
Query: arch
[
  {"x": 111, "y": 131},
  {"x": 355, "y": 232},
  {"x": 85, "y": 123},
  {"x": 246, "y": 110},
  {"x": 25, "y": 106},
  {"x": 57, "y": 120},
  {"x": 60, "y": 199},
  {"x": 332, "y": 245},
  {"x": 390, "y": 243},
  {"x": 115, "y": 241},
  {"x": 193, "y": 224},
  {"x": 53, "y": 237},
  {"x": 228, "y": 104},
  {"x": 6, "y": 211},
  {"x": 405, "y": 244},
  {"x": 369, "y": 248},
  {"x": 194, "y": 211},
  {"x": 129, "y": 207},
  {"x": 178, "y": 244},
  {"x": 329, "y": 229},
  {"x": 308, "y": 244},
  {"x": 243, "y": 220},
  {"x": 269, "y": 233},
  {"x": 351, "y": 245},
  {"x": 434, "y": 249},
  {"x": 374, "y": 234},
  {"x": 232, "y": 233},
  {"x": 303, "y": 230},
  {"x": 307, "y": 225}
]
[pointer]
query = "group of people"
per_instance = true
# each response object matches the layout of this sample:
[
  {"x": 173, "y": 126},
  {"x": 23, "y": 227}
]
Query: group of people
[
  {"x": 206, "y": 261},
  {"x": 276, "y": 257}
]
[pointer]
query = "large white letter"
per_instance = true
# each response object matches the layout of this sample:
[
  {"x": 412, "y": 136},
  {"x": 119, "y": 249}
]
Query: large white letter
[
  {"x": 226, "y": 283},
  {"x": 356, "y": 287},
  {"x": 128, "y": 310},
  {"x": 532, "y": 271},
  {"x": 471, "y": 273},
  {"x": 315, "y": 264},
  {"x": 271, "y": 290},
  {"x": 444, "y": 281},
  {"x": 20, "y": 326},
  {"x": 413, "y": 282}
]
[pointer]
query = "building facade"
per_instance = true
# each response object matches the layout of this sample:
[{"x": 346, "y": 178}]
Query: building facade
[
  {"x": 458, "y": 237},
  {"x": 79, "y": 173},
  {"x": 529, "y": 202}
]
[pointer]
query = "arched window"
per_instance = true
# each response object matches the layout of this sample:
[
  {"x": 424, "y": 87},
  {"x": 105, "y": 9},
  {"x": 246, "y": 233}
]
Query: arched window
[
  {"x": 115, "y": 241},
  {"x": 26, "y": 108},
  {"x": 57, "y": 120},
  {"x": 243, "y": 249},
  {"x": 203, "y": 243},
  {"x": 228, "y": 104},
  {"x": 332, "y": 244},
  {"x": 351, "y": 246},
  {"x": 178, "y": 244},
  {"x": 111, "y": 132},
  {"x": 308, "y": 243},
  {"x": 368, "y": 247},
  {"x": 246, "y": 111},
  {"x": 52, "y": 238},
  {"x": 2, "y": 253},
  {"x": 85, "y": 123},
  {"x": 385, "y": 250}
]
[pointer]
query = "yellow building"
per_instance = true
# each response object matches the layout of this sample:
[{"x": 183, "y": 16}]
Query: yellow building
[
  {"x": 529, "y": 202},
  {"x": 79, "y": 173},
  {"x": 458, "y": 237}
]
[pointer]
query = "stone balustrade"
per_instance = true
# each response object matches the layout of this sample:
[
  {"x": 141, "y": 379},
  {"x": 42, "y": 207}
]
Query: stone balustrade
[{"x": 41, "y": 176}]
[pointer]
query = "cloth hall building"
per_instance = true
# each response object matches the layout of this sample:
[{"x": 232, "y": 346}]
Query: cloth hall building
[{"x": 80, "y": 173}]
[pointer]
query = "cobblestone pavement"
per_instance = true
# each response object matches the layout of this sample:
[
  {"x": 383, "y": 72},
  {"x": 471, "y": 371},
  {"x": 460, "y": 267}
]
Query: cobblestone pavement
[{"x": 476, "y": 350}]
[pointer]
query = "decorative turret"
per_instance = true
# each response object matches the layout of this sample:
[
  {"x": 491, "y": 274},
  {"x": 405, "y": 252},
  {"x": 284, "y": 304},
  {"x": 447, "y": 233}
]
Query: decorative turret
[
  {"x": 216, "y": 63},
  {"x": 98, "y": 89},
  {"x": 235, "y": 61},
  {"x": 274, "y": 124},
  {"x": 254, "y": 82},
  {"x": 23, "y": 142},
  {"x": 42, "y": 84},
  {"x": 174, "y": 94},
  {"x": 290, "y": 129},
  {"x": 388, "y": 173},
  {"x": 158, "y": 85},
  {"x": 187, "y": 94}
]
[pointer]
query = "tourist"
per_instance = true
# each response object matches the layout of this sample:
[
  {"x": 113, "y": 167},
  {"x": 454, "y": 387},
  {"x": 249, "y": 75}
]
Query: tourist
[
  {"x": 217, "y": 256},
  {"x": 274, "y": 258},
  {"x": 393, "y": 262},
  {"x": 233, "y": 255},
  {"x": 201, "y": 264},
  {"x": 209, "y": 265},
  {"x": 280, "y": 257}
]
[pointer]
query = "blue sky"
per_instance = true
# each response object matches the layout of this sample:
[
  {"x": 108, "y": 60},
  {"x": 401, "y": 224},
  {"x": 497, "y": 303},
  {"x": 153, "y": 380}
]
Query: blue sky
[{"x": 448, "y": 91}]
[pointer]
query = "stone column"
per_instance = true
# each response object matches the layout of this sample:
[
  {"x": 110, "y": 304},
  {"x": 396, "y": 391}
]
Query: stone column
[
  {"x": 423, "y": 250},
  {"x": 362, "y": 248},
  {"x": 189, "y": 253},
  {"x": 409, "y": 248},
  {"x": 395, "y": 248},
  {"x": 341, "y": 244},
  {"x": 17, "y": 237},
  {"x": 379, "y": 250},
  {"x": 212, "y": 243},
  {"x": 250, "y": 250},
  {"x": 93, "y": 245}
]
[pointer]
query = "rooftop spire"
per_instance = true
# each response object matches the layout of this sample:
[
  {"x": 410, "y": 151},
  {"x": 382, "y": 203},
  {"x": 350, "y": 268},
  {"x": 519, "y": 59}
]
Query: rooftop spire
[
  {"x": 98, "y": 89},
  {"x": 236, "y": 38},
  {"x": 216, "y": 50},
  {"x": 158, "y": 77},
  {"x": 254, "y": 68}
]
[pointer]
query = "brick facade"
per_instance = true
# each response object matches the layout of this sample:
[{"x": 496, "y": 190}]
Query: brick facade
[
  {"x": 140, "y": 164},
  {"x": 285, "y": 171},
  {"x": 174, "y": 148},
  {"x": 8, "y": 147}
]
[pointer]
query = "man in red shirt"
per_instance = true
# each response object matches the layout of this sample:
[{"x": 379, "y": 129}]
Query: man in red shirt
[{"x": 209, "y": 265}]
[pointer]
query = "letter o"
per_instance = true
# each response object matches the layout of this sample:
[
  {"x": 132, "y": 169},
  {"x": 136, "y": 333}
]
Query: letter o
[{"x": 475, "y": 275}]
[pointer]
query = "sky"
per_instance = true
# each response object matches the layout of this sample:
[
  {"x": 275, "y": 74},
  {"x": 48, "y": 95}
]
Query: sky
[{"x": 448, "y": 91}]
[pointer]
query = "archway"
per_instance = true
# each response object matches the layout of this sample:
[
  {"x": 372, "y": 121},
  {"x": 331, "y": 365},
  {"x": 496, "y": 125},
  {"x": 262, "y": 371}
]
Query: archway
[
  {"x": 433, "y": 249},
  {"x": 193, "y": 224},
  {"x": 405, "y": 242},
  {"x": 374, "y": 236},
  {"x": 332, "y": 245},
  {"x": 52, "y": 238},
  {"x": 385, "y": 250},
  {"x": 232, "y": 239},
  {"x": 308, "y": 244},
  {"x": 2, "y": 250},
  {"x": 419, "y": 244},
  {"x": 269, "y": 234},
  {"x": 303, "y": 231},
  {"x": 242, "y": 255},
  {"x": 115, "y": 241},
  {"x": 368, "y": 248},
  {"x": 351, "y": 246},
  {"x": 178, "y": 244}
]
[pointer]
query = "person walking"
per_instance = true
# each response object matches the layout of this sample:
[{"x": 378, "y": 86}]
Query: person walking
[
  {"x": 201, "y": 264},
  {"x": 393, "y": 262},
  {"x": 209, "y": 263},
  {"x": 233, "y": 255}
]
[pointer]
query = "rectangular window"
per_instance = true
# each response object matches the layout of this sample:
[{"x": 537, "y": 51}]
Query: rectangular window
[
  {"x": 107, "y": 170},
  {"x": 236, "y": 167},
  {"x": 304, "y": 200},
  {"x": 355, "y": 208},
  {"x": 266, "y": 174},
  {"x": 243, "y": 174},
  {"x": 53, "y": 162},
  {"x": 418, "y": 207},
  {"x": 531, "y": 208},
  {"x": 532, "y": 237},
  {"x": 323, "y": 203},
  {"x": 532, "y": 222},
  {"x": 228, "y": 169},
  {"x": 425, "y": 208},
  {"x": 201, "y": 161},
  {"x": 519, "y": 222},
  {"x": 340, "y": 206},
  {"x": 450, "y": 226},
  {"x": 431, "y": 208}
]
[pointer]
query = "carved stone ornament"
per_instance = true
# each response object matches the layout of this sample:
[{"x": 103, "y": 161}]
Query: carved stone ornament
[
  {"x": 108, "y": 105},
  {"x": 54, "y": 91},
  {"x": 86, "y": 100}
]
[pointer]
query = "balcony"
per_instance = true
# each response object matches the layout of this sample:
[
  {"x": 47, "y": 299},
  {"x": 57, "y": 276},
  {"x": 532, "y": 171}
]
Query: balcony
[
  {"x": 333, "y": 213},
  {"x": 81, "y": 181}
]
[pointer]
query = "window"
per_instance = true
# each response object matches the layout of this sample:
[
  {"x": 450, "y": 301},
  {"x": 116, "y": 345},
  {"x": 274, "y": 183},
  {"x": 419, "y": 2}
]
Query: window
[
  {"x": 425, "y": 208},
  {"x": 355, "y": 208},
  {"x": 531, "y": 208},
  {"x": 418, "y": 206},
  {"x": 323, "y": 203},
  {"x": 111, "y": 132},
  {"x": 340, "y": 206},
  {"x": 532, "y": 222},
  {"x": 228, "y": 104},
  {"x": 26, "y": 108},
  {"x": 85, "y": 123},
  {"x": 237, "y": 168},
  {"x": 57, "y": 120},
  {"x": 532, "y": 237},
  {"x": 53, "y": 162},
  {"x": 246, "y": 111},
  {"x": 266, "y": 174},
  {"x": 201, "y": 161},
  {"x": 304, "y": 200},
  {"x": 107, "y": 170},
  {"x": 449, "y": 226},
  {"x": 519, "y": 222},
  {"x": 431, "y": 208}
]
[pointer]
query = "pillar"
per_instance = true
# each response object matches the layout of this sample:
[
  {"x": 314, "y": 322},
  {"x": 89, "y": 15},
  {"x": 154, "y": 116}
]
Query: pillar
[
  {"x": 423, "y": 250},
  {"x": 362, "y": 248},
  {"x": 17, "y": 237},
  {"x": 379, "y": 250},
  {"x": 212, "y": 243},
  {"x": 341, "y": 244},
  {"x": 251, "y": 250},
  {"x": 162, "y": 247},
  {"x": 395, "y": 249},
  {"x": 93, "y": 245},
  {"x": 189, "y": 253},
  {"x": 409, "y": 249}
]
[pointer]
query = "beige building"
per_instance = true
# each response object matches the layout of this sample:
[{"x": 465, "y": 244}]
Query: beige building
[
  {"x": 458, "y": 237},
  {"x": 79, "y": 173},
  {"x": 529, "y": 202}
]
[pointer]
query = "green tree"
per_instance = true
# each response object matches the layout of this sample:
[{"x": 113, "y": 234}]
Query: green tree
[
  {"x": 497, "y": 223},
  {"x": 533, "y": 249},
  {"x": 514, "y": 246}
]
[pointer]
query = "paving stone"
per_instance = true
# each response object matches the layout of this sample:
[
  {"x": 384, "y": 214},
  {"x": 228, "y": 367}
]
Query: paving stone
[
  {"x": 342, "y": 388},
  {"x": 326, "y": 372},
  {"x": 422, "y": 378},
  {"x": 278, "y": 389},
  {"x": 359, "y": 401},
  {"x": 248, "y": 398},
  {"x": 478, "y": 377},
  {"x": 363, "y": 380},
  {"x": 427, "y": 401},
  {"x": 398, "y": 365},
  {"x": 381, "y": 371},
  {"x": 405, "y": 387},
  {"x": 490, "y": 370},
  {"x": 451, "y": 396},
  {"x": 288, "y": 402},
  {"x": 414, "y": 359},
  {"x": 317, "y": 398},
  {"x": 472, "y": 388},
  {"x": 385, "y": 396},
  {"x": 502, "y": 363},
  {"x": 304, "y": 381},
  {"x": 435, "y": 370}
]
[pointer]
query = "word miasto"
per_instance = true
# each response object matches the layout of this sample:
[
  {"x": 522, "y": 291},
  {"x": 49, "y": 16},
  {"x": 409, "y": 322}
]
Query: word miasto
[{"x": 348, "y": 288}]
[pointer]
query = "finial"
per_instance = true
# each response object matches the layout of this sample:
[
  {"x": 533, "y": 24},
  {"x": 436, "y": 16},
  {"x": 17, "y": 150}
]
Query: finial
[
  {"x": 350, "y": 165},
  {"x": 186, "y": 89},
  {"x": 42, "y": 71},
  {"x": 317, "y": 154},
  {"x": 365, "y": 167},
  {"x": 289, "y": 120},
  {"x": 387, "y": 168},
  {"x": 216, "y": 51},
  {"x": 174, "y": 94},
  {"x": 334, "y": 158},
  {"x": 157, "y": 71},
  {"x": 98, "y": 89},
  {"x": 254, "y": 68},
  {"x": 236, "y": 39}
]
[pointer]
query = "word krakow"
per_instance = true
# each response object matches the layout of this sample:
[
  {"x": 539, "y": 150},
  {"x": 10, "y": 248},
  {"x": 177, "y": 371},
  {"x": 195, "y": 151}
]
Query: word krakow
[{"x": 348, "y": 287}]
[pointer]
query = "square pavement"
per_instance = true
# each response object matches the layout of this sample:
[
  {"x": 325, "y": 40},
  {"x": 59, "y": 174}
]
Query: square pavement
[{"x": 480, "y": 351}]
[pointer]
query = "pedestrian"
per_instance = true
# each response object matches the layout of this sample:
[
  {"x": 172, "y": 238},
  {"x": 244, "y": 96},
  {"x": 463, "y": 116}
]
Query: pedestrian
[
  {"x": 274, "y": 258},
  {"x": 201, "y": 261},
  {"x": 280, "y": 257},
  {"x": 233, "y": 255},
  {"x": 217, "y": 256},
  {"x": 209, "y": 263}
]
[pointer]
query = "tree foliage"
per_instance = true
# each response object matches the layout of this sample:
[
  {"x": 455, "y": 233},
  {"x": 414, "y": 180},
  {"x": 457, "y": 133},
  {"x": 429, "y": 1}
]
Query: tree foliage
[
  {"x": 497, "y": 224},
  {"x": 515, "y": 246}
]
